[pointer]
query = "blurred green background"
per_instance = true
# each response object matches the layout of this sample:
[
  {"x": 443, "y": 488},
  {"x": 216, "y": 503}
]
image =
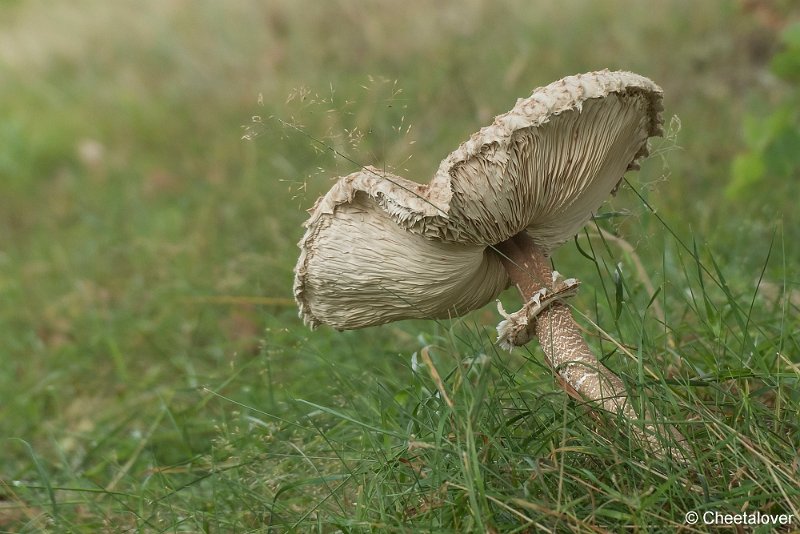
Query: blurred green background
[{"x": 146, "y": 248}]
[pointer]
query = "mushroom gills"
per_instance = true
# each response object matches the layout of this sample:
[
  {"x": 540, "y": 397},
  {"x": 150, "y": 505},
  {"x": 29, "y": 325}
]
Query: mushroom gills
[{"x": 363, "y": 269}]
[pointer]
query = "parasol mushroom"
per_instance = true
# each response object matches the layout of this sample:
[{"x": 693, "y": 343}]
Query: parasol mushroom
[{"x": 380, "y": 248}]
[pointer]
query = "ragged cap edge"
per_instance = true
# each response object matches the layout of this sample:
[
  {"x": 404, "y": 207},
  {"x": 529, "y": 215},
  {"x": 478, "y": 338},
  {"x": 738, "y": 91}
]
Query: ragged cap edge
[
  {"x": 423, "y": 209},
  {"x": 405, "y": 201},
  {"x": 546, "y": 102}
]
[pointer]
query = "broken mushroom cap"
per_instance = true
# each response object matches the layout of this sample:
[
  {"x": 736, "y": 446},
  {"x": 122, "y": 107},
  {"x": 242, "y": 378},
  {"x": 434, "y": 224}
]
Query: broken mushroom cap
[{"x": 379, "y": 248}]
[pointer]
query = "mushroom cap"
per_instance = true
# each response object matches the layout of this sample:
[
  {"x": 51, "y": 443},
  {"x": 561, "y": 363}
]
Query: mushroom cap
[{"x": 379, "y": 248}]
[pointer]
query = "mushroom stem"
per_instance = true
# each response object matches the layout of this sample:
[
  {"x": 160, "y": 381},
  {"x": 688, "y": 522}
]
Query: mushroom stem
[
  {"x": 578, "y": 370},
  {"x": 565, "y": 349}
]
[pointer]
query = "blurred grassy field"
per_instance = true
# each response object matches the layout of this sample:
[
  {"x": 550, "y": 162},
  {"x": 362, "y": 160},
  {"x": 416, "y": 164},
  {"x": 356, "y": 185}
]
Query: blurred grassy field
[{"x": 155, "y": 375}]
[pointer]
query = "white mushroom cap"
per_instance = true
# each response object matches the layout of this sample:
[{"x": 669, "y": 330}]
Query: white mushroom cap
[{"x": 380, "y": 248}]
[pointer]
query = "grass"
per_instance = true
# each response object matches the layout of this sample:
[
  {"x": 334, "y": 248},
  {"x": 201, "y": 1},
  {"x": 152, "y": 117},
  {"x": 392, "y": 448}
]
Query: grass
[{"x": 156, "y": 378}]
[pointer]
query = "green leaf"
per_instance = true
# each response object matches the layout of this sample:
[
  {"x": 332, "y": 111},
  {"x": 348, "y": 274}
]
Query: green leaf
[
  {"x": 757, "y": 131},
  {"x": 783, "y": 154},
  {"x": 786, "y": 64},
  {"x": 790, "y": 36},
  {"x": 748, "y": 169}
]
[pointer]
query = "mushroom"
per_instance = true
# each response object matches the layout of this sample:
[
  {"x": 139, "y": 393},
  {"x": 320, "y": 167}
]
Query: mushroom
[{"x": 380, "y": 248}]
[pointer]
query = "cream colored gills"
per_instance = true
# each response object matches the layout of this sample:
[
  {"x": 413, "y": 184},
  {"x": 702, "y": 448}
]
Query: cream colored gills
[
  {"x": 554, "y": 177},
  {"x": 364, "y": 270}
]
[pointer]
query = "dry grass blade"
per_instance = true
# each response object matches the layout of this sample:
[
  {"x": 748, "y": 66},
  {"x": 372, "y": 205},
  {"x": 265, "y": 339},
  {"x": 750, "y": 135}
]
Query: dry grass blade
[{"x": 435, "y": 376}]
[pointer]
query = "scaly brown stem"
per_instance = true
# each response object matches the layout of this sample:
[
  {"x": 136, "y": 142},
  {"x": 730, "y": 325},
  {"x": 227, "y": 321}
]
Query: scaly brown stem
[
  {"x": 564, "y": 348},
  {"x": 579, "y": 371}
]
